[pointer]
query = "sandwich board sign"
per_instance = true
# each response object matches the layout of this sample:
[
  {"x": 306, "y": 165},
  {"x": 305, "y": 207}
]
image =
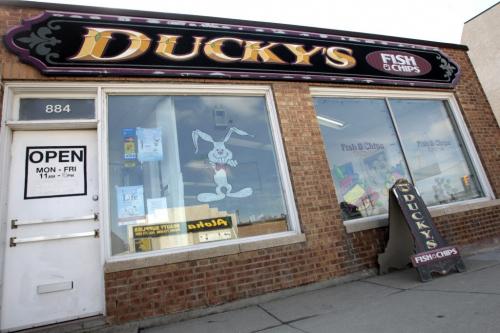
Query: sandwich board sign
[{"x": 414, "y": 237}]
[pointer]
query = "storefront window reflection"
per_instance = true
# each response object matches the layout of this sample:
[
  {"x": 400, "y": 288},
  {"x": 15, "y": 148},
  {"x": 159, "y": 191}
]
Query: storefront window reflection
[
  {"x": 366, "y": 156},
  {"x": 434, "y": 152},
  {"x": 186, "y": 170},
  {"x": 363, "y": 153}
]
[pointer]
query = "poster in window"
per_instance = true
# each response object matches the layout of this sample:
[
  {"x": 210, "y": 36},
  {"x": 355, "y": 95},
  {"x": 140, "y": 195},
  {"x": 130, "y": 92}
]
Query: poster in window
[
  {"x": 143, "y": 245},
  {"x": 129, "y": 144},
  {"x": 355, "y": 194},
  {"x": 157, "y": 210},
  {"x": 130, "y": 202},
  {"x": 345, "y": 176},
  {"x": 149, "y": 145}
]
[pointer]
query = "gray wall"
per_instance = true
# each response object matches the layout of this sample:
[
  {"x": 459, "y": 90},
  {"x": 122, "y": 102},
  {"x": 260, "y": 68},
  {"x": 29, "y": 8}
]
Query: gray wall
[{"x": 482, "y": 35}]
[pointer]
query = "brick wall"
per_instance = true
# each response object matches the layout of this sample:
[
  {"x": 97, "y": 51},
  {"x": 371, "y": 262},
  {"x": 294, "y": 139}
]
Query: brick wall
[{"x": 329, "y": 251}]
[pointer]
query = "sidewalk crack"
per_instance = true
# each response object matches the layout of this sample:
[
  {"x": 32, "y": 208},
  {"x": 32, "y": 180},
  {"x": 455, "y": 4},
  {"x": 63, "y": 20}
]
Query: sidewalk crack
[
  {"x": 270, "y": 327},
  {"x": 297, "y": 328},
  {"x": 459, "y": 292},
  {"x": 383, "y": 285},
  {"x": 270, "y": 313},
  {"x": 479, "y": 269},
  {"x": 286, "y": 323}
]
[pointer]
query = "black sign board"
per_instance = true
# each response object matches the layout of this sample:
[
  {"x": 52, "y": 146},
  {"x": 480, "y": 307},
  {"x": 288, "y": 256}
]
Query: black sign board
[
  {"x": 167, "y": 229},
  {"x": 156, "y": 230},
  {"x": 210, "y": 224},
  {"x": 66, "y": 43},
  {"x": 55, "y": 109},
  {"x": 413, "y": 236}
]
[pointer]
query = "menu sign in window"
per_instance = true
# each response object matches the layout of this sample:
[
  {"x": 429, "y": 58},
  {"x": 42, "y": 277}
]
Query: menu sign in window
[{"x": 55, "y": 171}]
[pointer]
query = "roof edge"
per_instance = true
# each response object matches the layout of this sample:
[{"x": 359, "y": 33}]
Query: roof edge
[
  {"x": 186, "y": 17},
  {"x": 481, "y": 13}
]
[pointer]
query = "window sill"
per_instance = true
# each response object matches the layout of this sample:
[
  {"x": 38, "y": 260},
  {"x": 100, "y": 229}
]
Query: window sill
[
  {"x": 381, "y": 221},
  {"x": 203, "y": 253}
]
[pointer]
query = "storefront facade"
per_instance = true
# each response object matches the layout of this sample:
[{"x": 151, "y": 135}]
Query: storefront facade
[{"x": 143, "y": 175}]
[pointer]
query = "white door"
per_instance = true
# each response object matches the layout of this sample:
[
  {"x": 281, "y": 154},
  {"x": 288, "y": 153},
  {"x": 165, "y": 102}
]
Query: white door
[{"x": 52, "y": 270}]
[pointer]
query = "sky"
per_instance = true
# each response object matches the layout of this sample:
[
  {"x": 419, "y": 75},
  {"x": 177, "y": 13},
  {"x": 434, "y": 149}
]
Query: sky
[{"x": 434, "y": 20}]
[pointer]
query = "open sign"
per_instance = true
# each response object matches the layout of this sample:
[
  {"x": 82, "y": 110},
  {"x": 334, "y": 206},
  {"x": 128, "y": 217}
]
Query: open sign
[
  {"x": 61, "y": 156},
  {"x": 55, "y": 171}
]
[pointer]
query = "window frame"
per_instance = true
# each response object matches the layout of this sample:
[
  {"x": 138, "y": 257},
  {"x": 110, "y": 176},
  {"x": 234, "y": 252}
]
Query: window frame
[
  {"x": 16, "y": 92},
  {"x": 458, "y": 123},
  {"x": 99, "y": 90},
  {"x": 197, "y": 90}
]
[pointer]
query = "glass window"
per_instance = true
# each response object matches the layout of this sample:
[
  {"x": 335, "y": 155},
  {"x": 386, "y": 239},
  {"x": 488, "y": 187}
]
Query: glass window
[
  {"x": 185, "y": 170},
  {"x": 366, "y": 156},
  {"x": 434, "y": 152},
  {"x": 363, "y": 153}
]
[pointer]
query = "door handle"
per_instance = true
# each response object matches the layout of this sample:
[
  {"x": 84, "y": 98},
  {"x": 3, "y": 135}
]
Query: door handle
[
  {"x": 15, "y": 222},
  {"x": 15, "y": 240}
]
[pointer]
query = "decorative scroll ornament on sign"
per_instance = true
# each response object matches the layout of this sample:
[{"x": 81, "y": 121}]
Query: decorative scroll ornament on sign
[{"x": 63, "y": 43}]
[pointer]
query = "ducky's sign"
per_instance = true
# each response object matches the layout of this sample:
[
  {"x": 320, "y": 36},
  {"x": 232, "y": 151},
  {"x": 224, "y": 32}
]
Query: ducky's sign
[
  {"x": 85, "y": 44},
  {"x": 413, "y": 236}
]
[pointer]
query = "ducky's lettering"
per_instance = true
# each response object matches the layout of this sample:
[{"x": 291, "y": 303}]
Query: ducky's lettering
[
  {"x": 417, "y": 216},
  {"x": 98, "y": 40}
]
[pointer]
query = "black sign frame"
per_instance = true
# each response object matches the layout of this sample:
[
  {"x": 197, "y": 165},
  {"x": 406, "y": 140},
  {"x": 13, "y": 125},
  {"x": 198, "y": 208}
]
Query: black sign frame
[{"x": 51, "y": 41}]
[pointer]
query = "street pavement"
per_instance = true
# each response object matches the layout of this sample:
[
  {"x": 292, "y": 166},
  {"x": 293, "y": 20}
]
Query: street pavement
[{"x": 395, "y": 302}]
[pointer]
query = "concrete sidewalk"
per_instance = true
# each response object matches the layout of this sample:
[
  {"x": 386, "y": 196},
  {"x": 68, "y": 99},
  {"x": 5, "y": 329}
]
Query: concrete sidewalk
[{"x": 396, "y": 302}]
